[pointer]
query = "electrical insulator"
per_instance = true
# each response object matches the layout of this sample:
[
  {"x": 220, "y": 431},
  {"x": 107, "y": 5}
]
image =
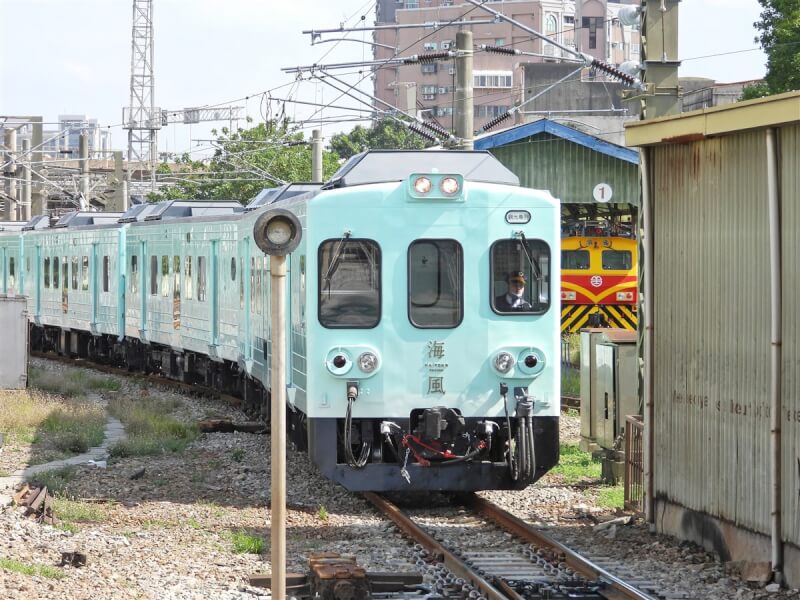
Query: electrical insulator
[
  {"x": 496, "y": 121},
  {"x": 438, "y": 129},
  {"x": 500, "y": 50},
  {"x": 427, "y": 58},
  {"x": 614, "y": 72},
  {"x": 420, "y": 131}
]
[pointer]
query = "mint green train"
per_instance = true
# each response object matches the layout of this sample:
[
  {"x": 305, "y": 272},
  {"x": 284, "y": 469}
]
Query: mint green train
[{"x": 422, "y": 336}]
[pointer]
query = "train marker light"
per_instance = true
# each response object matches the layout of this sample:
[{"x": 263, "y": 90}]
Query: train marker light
[
  {"x": 624, "y": 296},
  {"x": 277, "y": 232},
  {"x": 503, "y": 362},
  {"x": 367, "y": 362},
  {"x": 568, "y": 295},
  {"x": 531, "y": 362}
]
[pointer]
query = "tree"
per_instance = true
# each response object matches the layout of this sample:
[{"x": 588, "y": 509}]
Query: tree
[
  {"x": 245, "y": 162},
  {"x": 780, "y": 39},
  {"x": 385, "y": 134}
]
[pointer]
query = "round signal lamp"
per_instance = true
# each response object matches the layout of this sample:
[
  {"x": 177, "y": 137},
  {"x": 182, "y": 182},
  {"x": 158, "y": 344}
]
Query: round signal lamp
[
  {"x": 422, "y": 185},
  {"x": 449, "y": 186}
]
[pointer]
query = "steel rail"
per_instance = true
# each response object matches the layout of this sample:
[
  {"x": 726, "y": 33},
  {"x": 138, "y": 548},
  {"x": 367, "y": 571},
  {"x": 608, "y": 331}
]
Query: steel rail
[
  {"x": 617, "y": 588},
  {"x": 450, "y": 560}
]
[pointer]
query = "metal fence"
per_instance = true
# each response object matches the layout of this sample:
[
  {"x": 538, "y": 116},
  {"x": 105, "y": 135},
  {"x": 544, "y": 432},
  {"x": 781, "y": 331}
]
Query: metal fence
[{"x": 634, "y": 463}]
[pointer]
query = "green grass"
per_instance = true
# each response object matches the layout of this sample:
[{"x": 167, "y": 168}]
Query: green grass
[
  {"x": 150, "y": 427},
  {"x": 69, "y": 384},
  {"x": 56, "y": 480},
  {"x": 611, "y": 496},
  {"x": 244, "y": 543},
  {"x": 17, "y": 566},
  {"x": 74, "y": 511},
  {"x": 194, "y": 523},
  {"x": 103, "y": 384},
  {"x": 572, "y": 412},
  {"x": 322, "y": 513},
  {"x": 576, "y": 465},
  {"x": 237, "y": 455},
  {"x": 75, "y": 431},
  {"x": 570, "y": 382}
]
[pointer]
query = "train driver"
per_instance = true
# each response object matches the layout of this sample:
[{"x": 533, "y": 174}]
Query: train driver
[{"x": 514, "y": 298}]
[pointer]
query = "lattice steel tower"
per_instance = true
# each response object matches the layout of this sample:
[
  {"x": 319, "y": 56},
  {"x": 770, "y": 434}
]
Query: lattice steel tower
[{"x": 141, "y": 118}]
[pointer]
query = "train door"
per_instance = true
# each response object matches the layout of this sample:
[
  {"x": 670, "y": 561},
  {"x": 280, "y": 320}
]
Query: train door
[
  {"x": 64, "y": 284},
  {"x": 143, "y": 289},
  {"x": 94, "y": 292},
  {"x": 38, "y": 292},
  {"x": 214, "y": 292},
  {"x": 176, "y": 293},
  {"x": 245, "y": 282}
]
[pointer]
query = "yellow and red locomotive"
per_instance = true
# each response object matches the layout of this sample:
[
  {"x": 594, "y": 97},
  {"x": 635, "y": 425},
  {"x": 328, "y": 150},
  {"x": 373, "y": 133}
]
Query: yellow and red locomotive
[{"x": 598, "y": 280}]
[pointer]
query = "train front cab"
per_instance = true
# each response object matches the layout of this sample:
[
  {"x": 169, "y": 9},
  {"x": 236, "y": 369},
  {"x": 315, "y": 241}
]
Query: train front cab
[{"x": 421, "y": 362}]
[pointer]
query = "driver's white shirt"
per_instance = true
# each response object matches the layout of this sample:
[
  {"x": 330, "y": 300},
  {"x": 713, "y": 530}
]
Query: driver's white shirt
[{"x": 515, "y": 301}]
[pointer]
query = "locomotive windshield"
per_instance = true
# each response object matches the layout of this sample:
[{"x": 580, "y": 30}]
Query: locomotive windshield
[
  {"x": 349, "y": 283},
  {"x": 520, "y": 277},
  {"x": 617, "y": 260},
  {"x": 435, "y": 284},
  {"x": 575, "y": 259}
]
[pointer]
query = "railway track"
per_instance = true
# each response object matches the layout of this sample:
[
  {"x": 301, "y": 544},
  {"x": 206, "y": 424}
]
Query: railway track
[{"x": 481, "y": 551}]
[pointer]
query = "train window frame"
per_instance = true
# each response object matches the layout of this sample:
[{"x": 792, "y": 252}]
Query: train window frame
[
  {"x": 153, "y": 275},
  {"x": 201, "y": 278},
  {"x": 165, "y": 276},
  {"x": 494, "y": 275},
  {"x": 134, "y": 273},
  {"x": 85, "y": 273},
  {"x": 233, "y": 268},
  {"x": 458, "y": 250},
  {"x": 581, "y": 251},
  {"x": 340, "y": 243},
  {"x": 47, "y": 272},
  {"x": 56, "y": 272},
  {"x": 187, "y": 277},
  {"x": 12, "y": 277},
  {"x": 74, "y": 273},
  {"x": 615, "y": 251},
  {"x": 106, "y": 272}
]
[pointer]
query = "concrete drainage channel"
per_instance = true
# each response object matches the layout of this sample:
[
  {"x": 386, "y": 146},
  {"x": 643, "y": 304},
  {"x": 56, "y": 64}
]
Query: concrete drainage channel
[{"x": 113, "y": 433}]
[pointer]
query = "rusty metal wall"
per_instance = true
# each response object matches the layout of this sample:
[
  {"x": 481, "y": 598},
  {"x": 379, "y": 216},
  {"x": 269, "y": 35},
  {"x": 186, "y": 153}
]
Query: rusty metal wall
[
  {"x": 711, "y": 319},
  {"x": 789, "y": 139}
]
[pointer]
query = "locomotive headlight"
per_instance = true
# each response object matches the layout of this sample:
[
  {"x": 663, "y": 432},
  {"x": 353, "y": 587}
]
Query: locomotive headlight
[
  {"x": 624, "y": 296},
  {"x": 422, "y": 185},
  {"x": 449, "y": 186},
  {"x": 367, "y": 362},
  {"x": 503, "y": 362}
]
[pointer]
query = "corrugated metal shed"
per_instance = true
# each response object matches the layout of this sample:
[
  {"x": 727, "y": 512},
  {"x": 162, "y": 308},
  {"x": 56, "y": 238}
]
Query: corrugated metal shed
[
  {"x": 708, "y": 174},
  {"x": 568, "y": 162}
]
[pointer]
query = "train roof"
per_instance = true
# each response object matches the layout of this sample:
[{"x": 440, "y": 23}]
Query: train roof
[
  {"x": 176, "y": 209},
  {"x": 379, "y": 166},
  {"x": 12, "y": 225},
  {"x": 83, "y": 218},
  {"x": 37, "y": 222},
  {"x": 283, "y": 192}
]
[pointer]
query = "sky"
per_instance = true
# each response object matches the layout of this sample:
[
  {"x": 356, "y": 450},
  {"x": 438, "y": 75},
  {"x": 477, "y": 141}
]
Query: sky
[{"x": 74, "y": 57}]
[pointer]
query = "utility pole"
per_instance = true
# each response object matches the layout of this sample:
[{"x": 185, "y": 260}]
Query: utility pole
[
  {"x": 25, "y": 208},
  {"x": 316, "y": 156},
  {"x": 464, "y": 98},
  {"x": 83, "y": 146},
  {"x": 660, "y": 57},
  {"x": 10, "y": 173}
]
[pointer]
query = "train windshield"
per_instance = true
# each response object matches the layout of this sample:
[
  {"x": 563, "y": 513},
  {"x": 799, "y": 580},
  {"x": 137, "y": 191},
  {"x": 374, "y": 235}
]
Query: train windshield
[
  {"x": 575, "y": 259},
  {"x": 435, "y": 284},
  {"x": 617, "y": 260},
  {"x": 349, "y": 284},
  {"x": 520, "y": 276}
]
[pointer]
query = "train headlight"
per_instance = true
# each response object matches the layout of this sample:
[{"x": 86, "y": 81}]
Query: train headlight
[
  {"x": 367, "y": 362},
  {"x": 624, "y": 296},
  {"x": 422, "y": 185},
  {"x": 449, "y": 186},
  {"x": 568, "y": 295},
  {"x": 503, "y": 362}
]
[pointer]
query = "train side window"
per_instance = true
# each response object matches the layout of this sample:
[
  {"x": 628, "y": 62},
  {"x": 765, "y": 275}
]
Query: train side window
[
  {"x": 575, "y": 259},
  {"x": 64, "y": 274},
  {"x": 520, "y": 277},
  {"x": 165, "y": 276},
  {"x": 74, "y": 272},
  {"x": 201, "y": 278},
  {"x": 47, "y": 272},
  {"x": 617, "y": 260},
  {"x": 435, "y": 284},
  {"x": 233, "y": 269},
  {"x": 56, "y": 268},
  {"x": 241, "y": 282},
  {"x": 106, "y": 268},
  {"x": 27, "y": 264},
  {"x": 187, "y": 276},
  {"x": 153, "y": 275},
  {"x": 134, "y": 274},
  {"x": 349, "y": 283},
  {"x": 85, "y": 273},
  {"x": 11, "y": 271}
]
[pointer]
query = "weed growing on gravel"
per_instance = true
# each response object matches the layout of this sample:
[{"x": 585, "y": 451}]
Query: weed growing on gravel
[
  {"x": 103, "y": 384},
  {"x": 56, "y": 480},
  {"x": 31, "y": 569},
  {"x": 69, "y": 384},
  {"x": 237, "y": 455},
  {"x": 244, "y": 543},
  {"x": 150, "y": 427},
  {"x": 75, "y": 431},
  {"x": 611, "y": 496},
  {"x": 576, "y": 465},
  {"x": 570, "y": 382},
  {"x": 194, "y": 523},
  {"x": 73, "y": 511},
  {"x": 322, "y": 513}
]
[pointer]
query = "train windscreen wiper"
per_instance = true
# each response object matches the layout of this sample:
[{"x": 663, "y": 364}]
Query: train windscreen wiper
[
  {"x": 337, "y": 254},
  {"x": 537, "y": 270}
]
